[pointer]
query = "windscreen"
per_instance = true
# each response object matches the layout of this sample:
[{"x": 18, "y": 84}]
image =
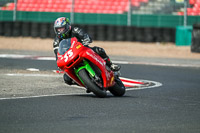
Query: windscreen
[{"x": 64, "y": 46}]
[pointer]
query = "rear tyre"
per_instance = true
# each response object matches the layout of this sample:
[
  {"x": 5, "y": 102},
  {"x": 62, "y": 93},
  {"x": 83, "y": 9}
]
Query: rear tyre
[
  {"x": 118, "y": 89},
  {"x": 90, "y": 85}
]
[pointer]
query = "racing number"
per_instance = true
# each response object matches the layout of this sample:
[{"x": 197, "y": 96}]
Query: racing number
[{"x": 67, "y": 55}]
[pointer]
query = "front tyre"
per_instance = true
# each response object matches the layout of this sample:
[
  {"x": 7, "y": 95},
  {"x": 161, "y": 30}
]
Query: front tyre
[
  {"x": 90, "y": 85},
  {"x": 118, "y": 89}
]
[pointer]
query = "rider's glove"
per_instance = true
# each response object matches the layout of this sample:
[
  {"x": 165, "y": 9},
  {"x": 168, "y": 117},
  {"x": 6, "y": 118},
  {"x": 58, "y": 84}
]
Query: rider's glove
[{"x": 86, "y": 40}]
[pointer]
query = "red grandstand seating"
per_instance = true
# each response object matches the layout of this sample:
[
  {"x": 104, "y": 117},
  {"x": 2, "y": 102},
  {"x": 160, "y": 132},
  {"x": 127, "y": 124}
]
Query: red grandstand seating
[
  {"x": 9, "y": 6},
  {"x": 192, "y": 2},
  {"x": 180, "y": 13},
  {"x": 144, "y": 1},
  {"x": 135, "y": 3},
  {"x": 85, "y": 6},
  {"x": 88, "y": 6},
  {"x": 195, "y": 10},
  {"x": 100, "y": 6}
]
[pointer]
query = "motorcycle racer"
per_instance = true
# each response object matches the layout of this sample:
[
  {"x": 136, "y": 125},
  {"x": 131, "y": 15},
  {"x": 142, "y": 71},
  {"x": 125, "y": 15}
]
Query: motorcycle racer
[{"x": 64, "y": 30}]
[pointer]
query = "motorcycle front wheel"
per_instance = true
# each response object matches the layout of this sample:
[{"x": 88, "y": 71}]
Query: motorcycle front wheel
[{"x": 91, "y": 85}]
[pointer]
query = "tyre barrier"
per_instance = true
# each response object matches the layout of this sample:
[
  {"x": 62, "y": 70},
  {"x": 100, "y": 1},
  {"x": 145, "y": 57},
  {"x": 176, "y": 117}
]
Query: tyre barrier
[
  {"x": 101, "y": 34},
  {"x": 129, "y": 36},
  {"x": 92, "y": 31},
  {"x": 139, "y": 34},
  {"x": 44, "y": 30},
  {"x": 8, "y": 27},
  {"x": 51, "y": 33},
  {"x": 120, "y": 30},
  {"x": 26, "y": 29},
  {"x": 147, "y": 35},
  {"x": 97, "y": 32},
  {"x": 16, "y": 29},
  {"x": 157, "y": 34},
  {"x": 35, "y": 29},
  {"x": 111, "y": 33},
  {"x": 195, "y": 46},
  {"x": 1, "y": 29},
  {"x": 166, "y": 33}
]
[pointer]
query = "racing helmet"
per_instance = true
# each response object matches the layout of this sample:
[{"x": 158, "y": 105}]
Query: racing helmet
[{"x": 62, "y": 27}]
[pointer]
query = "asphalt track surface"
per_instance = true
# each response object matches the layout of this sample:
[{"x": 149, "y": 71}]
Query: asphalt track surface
[{"x": 171, "y": 108}]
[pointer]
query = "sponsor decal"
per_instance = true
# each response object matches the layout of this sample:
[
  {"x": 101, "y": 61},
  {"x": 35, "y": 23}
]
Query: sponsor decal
[
  {"x": 73, "y": 44},
  {"x": 78, "y": 46},
  {"x": 94, "y": 58},
  {"x": 112, "y": 79},
  {"x": 107, "y": 75}
]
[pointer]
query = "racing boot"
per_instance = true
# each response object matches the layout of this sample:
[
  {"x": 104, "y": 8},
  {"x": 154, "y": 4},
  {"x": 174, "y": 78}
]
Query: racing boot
[
  {"x": 68, "y": 80},
  {"x": 112, "y": 66}
]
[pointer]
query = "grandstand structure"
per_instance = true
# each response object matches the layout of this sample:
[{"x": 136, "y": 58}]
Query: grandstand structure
[{"x": 172, "y": 7}]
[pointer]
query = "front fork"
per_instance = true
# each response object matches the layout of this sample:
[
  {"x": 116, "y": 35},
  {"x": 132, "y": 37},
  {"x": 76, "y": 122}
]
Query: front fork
[{"x": 87, "y": 67}]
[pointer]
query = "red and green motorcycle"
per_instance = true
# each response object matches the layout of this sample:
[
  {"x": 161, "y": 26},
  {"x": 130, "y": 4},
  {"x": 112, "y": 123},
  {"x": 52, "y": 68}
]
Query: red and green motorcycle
[{"x": 88, "y": 69}]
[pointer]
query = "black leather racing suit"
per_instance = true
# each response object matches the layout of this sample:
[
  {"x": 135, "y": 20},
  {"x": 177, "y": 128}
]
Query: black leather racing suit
[{"x": 82, "y": 37}]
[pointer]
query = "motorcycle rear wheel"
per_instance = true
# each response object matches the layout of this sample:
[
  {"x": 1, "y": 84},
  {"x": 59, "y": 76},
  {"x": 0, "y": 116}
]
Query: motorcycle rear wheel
[
  {"x": 90, "y": 85},
  {"x": 118, "y": 89}
]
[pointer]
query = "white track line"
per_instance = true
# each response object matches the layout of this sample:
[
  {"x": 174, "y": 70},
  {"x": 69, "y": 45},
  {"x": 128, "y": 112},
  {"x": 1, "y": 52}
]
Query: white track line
[
  {"x": 32, "y": 75},
  {"x": 38, "y": 96},
  {"x": 14, "y": 56}
]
